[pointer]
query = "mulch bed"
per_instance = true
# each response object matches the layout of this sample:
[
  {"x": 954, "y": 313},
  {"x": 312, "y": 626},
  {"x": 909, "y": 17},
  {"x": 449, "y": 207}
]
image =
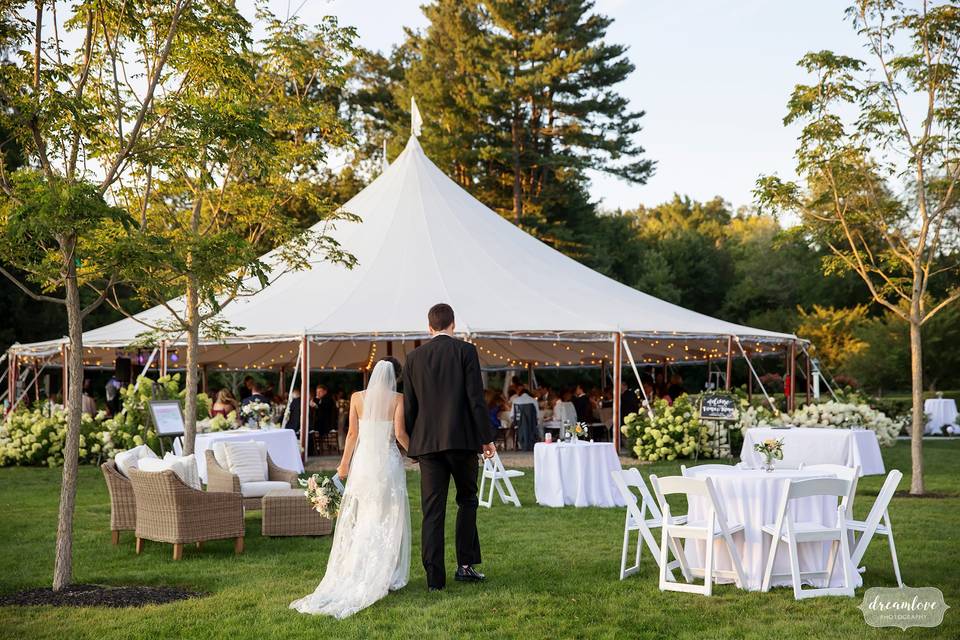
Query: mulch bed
[{"x": 92, "y": 595}]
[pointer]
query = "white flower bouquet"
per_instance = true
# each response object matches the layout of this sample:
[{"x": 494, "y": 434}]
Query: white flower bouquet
[{"x": 323, "y": 495}]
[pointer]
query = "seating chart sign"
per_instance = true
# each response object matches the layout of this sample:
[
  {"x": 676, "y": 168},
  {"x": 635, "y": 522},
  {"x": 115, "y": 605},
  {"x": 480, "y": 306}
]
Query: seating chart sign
[
  {"x": 167, "y": 417},
  {"x": 718, "y": 406}
]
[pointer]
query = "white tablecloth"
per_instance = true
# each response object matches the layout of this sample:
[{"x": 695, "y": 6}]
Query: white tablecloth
[
  {"x": 282, "y": 445},
  {"x": 942, "y": 412},
  {"x": 751, "y": 497},
  {"x": 848, "y": 447},
  {"x": 576, "y": 474}
]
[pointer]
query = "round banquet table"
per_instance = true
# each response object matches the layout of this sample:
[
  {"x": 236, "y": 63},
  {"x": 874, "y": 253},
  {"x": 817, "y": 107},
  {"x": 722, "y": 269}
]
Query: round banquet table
[
  {"x": 282, "y": 445},
  {"x": 751, "y": 497},
  {"x": 942, "y": 412},
  {"x": 576, "y": 474}
]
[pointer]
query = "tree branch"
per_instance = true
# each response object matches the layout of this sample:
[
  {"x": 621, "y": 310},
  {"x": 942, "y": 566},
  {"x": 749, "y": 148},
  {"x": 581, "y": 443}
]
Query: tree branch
[{"x": 36, "y": 296}]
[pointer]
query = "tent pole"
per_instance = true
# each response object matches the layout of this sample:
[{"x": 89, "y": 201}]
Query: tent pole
[
  {"x": 36, "y": 383},
  {"x": 793, "y": 377},
  {"x": 12, "y": 379},
  {"x": 729, "y": 363},
  {"x": 806, "y": 361},
  {"x": 282, "y": 386},
  {"x": 389, "y": 348},
  {"x": 304, "y": 394},
  {"x": 617, "y": 375},
  {"x": 203, "y": 378},
  {"x": 66, "y": 374},
  {"x": 163, "y": 358}
]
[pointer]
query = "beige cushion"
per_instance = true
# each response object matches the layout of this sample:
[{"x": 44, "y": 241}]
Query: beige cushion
[
  {"x": 260, "y": 489},
  {"x": 129, "y": 459},
  {"x": 247, "y": 460},
  {"x": 184, "y": 467},
  {"x": 220, "y": 454}
]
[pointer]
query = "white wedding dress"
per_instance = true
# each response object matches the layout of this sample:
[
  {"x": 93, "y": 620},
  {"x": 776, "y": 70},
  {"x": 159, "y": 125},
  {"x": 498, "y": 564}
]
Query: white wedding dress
[{"x": 371, "y": 544}]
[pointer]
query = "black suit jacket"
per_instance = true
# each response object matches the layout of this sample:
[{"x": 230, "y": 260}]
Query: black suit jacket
[
  {"x": 443, "y": 398},
  {"x": 629, "y": 403}
]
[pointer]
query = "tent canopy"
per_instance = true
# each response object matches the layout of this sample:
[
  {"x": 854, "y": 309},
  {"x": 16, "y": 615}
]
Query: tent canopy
[{"x": 422, "y": 240}]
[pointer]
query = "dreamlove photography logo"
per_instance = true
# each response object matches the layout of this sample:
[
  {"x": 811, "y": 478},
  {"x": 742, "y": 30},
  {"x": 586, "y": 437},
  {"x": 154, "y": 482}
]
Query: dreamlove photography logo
[{"x": 903, "y": 607}]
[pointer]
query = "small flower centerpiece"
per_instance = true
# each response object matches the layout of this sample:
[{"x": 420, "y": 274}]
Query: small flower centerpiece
[
  {"x": 323, "y": 494},
  {"x": 771, "y": 450},
  {"x": 577, "y": 431},
  {"x": 257, "y": 415}
]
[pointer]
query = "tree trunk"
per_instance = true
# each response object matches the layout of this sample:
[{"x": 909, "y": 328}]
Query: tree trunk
[
  {"x": 63, "y": 563},
  {"x": 190, "y": 382},
  {"x": 916, "y": 387}
]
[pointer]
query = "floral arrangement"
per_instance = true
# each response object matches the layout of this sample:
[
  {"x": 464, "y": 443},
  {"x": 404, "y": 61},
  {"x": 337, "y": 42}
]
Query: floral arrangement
[
  {"x": 257, "y": 414},
  {"x": 578, "y": 430},
  {"x": 770, "y": 448},
  {"x": 218, "y": 423},
  {"x": 828, "y": 415},
  {"x": 36, "y": 436},
  {"x": 323, "y": 495},
  {"x": 673, "y": 431}
]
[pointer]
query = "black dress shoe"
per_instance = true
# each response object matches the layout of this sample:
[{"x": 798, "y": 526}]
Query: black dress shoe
[{"x": 469, "y": 574}]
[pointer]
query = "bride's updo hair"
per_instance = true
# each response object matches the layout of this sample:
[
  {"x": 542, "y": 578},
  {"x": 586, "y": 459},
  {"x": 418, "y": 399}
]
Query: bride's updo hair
[{"x": 397, "y": 369}]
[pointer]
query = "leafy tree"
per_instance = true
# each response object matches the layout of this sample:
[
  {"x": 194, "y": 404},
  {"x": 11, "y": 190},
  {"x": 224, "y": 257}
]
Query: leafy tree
[
  {"x": 246, "y": 131},
  {"x": 833, "y": 333},
  {"x": 79, "y": 124},
  {"x": 880, "y": 154}
]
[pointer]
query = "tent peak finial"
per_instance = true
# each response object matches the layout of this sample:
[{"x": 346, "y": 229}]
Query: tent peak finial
[{"x": 416, "y": 122}]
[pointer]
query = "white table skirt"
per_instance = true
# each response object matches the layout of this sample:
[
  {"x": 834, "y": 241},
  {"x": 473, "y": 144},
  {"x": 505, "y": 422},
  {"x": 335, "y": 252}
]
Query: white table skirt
[
  {"x": 576, "y": 474},
  {"x": 942, "y": 412},
  {"x": 751, "y": 497},
  {"x": 282, "y": 445},
  {"x": 814, "y": 445}
]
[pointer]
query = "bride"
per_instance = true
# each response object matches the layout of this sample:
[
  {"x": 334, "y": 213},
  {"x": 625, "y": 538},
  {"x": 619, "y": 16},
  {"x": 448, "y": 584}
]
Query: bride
[{"x": 371, "y": 545}]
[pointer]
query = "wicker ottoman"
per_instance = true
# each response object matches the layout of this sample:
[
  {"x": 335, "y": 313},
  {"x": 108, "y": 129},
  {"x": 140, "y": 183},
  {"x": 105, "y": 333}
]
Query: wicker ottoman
[{"x": 286, "y": 512}]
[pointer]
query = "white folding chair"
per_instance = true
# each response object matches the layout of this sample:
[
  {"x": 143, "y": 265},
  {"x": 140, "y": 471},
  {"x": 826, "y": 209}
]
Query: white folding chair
[
  {"x": 786, "y": 529},
  {"x": 499, "y": 477},
  {"x": 637, "y": 520},
  {"x": 705, "y": 467},
  {"x": 866, "y": 528},
  {"x": 850, "y": 474},
  {"x": 713, "y": 528}
]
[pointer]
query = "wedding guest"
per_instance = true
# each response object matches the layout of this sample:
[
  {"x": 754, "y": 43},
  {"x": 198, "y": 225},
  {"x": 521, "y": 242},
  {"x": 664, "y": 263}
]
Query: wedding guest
[
  {"x": 88, "y": 403},
  {"x": 596, "y": 405},
  {"x": 293, "y": 416},
  {"x": 629, "y": 403},
  {"x": 494, "y": 406},
  {"x": 223, "y": 404},
  {"x": 523, "y": 397},
  {"x": 659, "y": 386},
  {"x": 675, "y": 390},
  {"x": 256, "y": 394},
  {"x": 325, "y": 417},
  {"x": 247, "y": 388},
  {"x": 343, "y": 415},
  {"x": 563, "y": 409},
  {"x": 581, "y": 402}
]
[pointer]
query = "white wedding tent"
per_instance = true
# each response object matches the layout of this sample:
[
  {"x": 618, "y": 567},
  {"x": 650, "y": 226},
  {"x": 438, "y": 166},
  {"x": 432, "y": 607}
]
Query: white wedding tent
[{"x": 423, "y": 239}]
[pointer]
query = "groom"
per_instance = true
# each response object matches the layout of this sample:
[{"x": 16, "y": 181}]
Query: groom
[{"x": 448, "y": 425}]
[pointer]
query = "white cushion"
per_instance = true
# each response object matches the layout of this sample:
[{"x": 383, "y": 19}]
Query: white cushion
[
  {"x": 180, "y": 466},
  {"x": 192, "y": 476},
  {"x": 260, "y": 489},
  {"x": 220, "y": 454},
  {"x": 247, "y": 460},
  {"x": 129, "y": 459}
]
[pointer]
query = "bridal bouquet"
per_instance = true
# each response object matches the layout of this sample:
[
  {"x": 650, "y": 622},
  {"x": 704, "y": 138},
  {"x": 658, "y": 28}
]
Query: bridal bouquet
[
  {"x": 259, "y": 414},
  {"x": 323, "y": 494}
]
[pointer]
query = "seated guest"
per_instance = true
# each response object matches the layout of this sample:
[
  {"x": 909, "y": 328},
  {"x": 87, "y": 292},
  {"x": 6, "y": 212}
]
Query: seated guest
[
  {"x": 293, "y": 416},
  {"x": 659, "y": 386},
  {"x": 523, "y": 397},
  {"x": 256, "y": 394},
  {"x": 596, "y": 405},
  {"x": 563, "y": 410},
  {"x": 581, "y": 402},
  {"x": 526, "y": 416},
  {"x": 675, "y": 390},
  {"x": 87, "y": 401},
  {"x": 629, "y": 403},
  {"x": 223, "y": 404},
  {"x": 494, "y": 406}
]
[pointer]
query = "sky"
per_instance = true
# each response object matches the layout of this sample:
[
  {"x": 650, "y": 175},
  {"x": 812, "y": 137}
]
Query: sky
[{"x": 713, "y": 77}]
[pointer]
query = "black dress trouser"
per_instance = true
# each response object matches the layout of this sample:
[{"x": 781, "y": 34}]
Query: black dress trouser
[{"x": 436, "y": 469}]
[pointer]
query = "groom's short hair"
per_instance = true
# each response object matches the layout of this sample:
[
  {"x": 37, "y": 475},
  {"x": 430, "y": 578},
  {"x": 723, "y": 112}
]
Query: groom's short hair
[{"x": 440, "y": 316}]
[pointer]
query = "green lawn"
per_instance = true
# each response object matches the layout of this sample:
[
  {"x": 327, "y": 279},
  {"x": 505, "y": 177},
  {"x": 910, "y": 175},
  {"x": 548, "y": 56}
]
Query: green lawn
[{"x": 552, "y": 574}]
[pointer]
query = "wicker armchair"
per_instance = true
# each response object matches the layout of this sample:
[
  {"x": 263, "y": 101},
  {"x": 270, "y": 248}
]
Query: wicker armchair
[
  {"x": 170, "y": 511},
  {"x": 221, "y": 480},
  {"x": 123, "y": 506}
]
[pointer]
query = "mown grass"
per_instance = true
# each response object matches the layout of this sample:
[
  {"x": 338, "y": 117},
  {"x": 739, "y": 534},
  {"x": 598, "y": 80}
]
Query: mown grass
[{"x": 552, "y": 574}]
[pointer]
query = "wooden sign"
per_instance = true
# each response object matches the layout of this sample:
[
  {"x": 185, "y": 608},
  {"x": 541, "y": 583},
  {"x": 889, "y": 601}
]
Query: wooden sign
[{"x": 718, "y": 406}]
